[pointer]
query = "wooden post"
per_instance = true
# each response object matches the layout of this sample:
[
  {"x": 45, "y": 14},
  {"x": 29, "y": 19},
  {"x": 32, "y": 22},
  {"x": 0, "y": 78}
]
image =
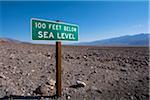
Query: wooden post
[{"x": 58, "y": 69}]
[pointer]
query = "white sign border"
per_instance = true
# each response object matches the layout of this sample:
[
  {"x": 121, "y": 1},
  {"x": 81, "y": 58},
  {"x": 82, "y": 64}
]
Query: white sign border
[{"x": 53, "y": 22}]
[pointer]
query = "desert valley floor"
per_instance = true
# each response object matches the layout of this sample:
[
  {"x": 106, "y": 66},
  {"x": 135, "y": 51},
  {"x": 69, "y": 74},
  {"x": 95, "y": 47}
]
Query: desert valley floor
[{"x": 109, "y": 73}]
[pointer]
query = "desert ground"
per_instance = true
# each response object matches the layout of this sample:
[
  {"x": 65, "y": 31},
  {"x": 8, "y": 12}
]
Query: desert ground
[{"x": 108, "y": 73}]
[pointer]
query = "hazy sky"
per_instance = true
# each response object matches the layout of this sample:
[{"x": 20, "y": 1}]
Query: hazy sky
[{"x": 97, "y": 20}]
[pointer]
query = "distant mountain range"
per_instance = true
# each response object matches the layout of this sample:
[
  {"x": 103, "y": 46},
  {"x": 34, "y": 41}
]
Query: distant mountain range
[
  {"x": 8, "y": 40},
  {"x": 127, "y": 40}
]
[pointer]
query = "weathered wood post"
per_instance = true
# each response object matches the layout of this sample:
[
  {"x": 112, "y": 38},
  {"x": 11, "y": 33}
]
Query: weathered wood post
[{"x": 58, "y": 69}]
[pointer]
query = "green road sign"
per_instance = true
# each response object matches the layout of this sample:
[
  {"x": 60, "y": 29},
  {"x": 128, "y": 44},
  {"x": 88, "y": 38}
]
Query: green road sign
[{"x": 51, "y": 30}]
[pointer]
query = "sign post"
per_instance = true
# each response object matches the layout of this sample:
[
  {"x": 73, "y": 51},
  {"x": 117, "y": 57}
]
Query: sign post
[
  {"x": 58, "y": 69},
  {"x": 59, "y": 31}
]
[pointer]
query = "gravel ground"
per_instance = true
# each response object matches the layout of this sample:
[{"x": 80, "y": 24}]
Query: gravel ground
[{"x": 106, "y": 73}]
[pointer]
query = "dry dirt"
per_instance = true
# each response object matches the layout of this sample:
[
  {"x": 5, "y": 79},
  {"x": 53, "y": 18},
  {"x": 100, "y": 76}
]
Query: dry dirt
[{"x": 110, "y": 73}]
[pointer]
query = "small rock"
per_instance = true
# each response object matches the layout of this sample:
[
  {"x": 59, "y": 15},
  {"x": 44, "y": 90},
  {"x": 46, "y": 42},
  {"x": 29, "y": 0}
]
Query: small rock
[
  {"x": 51, "y": 65},
  {"x": 90, "y": 55},
  {"x": 98, "y": 91},
  {"x": 78, "y": 58},
  {"x": 43, "y": 76},
  {"x": 128, "y": 93},
  {"x": 29, "y": 62},
  {"x": 68, "y": 82},
  {"x": 84, "y": 57},
  {"x": 94, "y": 88},
  {"x": 132, "y": 97},
  {"x": 80, "y": 83},
  {"x": 71, "y": 57},
  {"x": 51, "y": 88},
  {"x": 52, "y": 82},
  {"x": 123, "y": 69},
  {"x": 66, "y": 89},
  {"x": 107, "y": 71},
  {"x": 12, "y": 56},
  {"x": 42, "y": 90},
  {"x": 47, "y": 55},
  {"x": 68, "y": 97},
  {"x": 32, "y": 70},
  {"x": 28, "y": 94},
  {"x": 140, "y": 80},
  {"x": 2, "y": 76},
  {"x": 147, "y": 78},
  {"x": 68, "y": 75},
  {"x": 94, "y": 71},
  {"x": 125, "y": 81}
]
